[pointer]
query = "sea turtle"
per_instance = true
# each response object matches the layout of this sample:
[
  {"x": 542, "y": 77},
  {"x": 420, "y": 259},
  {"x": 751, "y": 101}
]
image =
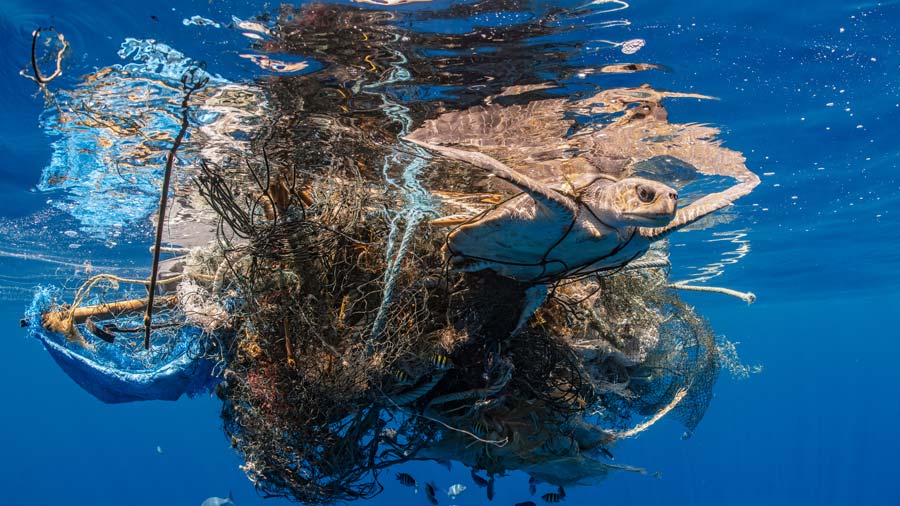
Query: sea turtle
[{"x": 545, "y": 234}]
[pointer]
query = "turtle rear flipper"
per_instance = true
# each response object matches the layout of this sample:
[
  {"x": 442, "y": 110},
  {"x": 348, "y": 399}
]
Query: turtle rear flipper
[{"x": 534, "y": 297}]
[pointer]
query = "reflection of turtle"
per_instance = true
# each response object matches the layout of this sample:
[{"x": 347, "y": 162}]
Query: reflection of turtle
[{"x": 545, "y": 235}]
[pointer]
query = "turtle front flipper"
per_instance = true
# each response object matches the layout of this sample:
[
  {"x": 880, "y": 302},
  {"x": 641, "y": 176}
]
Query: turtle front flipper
[
  {"x": 704, "y": 207},
  {"x": 541, "y": 193}
]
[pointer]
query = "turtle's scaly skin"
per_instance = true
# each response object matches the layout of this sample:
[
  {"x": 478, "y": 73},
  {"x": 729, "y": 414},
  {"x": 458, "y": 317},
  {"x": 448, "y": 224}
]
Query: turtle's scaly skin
[
  {"x": 544, "y": 234},
  {"x": 526, "y": 240}
]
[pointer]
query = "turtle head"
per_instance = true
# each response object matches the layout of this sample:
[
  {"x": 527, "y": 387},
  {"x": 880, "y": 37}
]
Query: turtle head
[{"x": 638, "y": 202}]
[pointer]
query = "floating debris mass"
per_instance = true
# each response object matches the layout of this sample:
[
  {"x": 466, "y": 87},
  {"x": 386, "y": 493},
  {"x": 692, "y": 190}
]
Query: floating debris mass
[{"x": 311, "y": 273}]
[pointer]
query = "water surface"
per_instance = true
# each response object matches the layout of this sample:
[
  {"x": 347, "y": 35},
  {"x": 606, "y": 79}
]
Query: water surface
[{"x": 809, "y": 93}]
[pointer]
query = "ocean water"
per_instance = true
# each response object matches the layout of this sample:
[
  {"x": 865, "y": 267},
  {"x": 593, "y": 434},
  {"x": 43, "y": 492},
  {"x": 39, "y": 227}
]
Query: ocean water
[{"x": 809, "y": 92}]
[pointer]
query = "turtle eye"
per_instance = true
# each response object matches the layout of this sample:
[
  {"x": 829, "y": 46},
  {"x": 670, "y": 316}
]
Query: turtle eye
[{"x": 645, "y": 194}]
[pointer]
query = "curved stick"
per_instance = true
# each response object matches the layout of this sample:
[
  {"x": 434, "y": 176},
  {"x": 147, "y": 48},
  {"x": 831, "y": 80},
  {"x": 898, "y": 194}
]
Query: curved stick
[{"x": 164, "y": 198}]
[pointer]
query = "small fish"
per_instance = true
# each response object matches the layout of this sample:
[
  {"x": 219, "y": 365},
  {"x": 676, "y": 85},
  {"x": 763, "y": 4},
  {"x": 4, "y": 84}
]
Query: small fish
[
  {"x": 154, "y": 18},
  {"x": 407, "y": 481},
  {"x": 218, "y": 501},
  {"x": 562, "y": 492},
  {"x": 159, "y": 450},
  {"x": 657, "y": 474},
  {"x": 455, "y": 490},
  {"x": 442, "y": 362},
  {"x": 532, "y": 485},
  {"x": 480, "y": 428},
  {"x": 490, "y": 489},
  {"x": 431, "y": 493},
  {"x": 481, "y": 482},
  {"x": 526, "y": 503},
  {"x": 607, "y": 453},
  {"x": 402, "y": 377},
  {"x": 551, "y": 497}
]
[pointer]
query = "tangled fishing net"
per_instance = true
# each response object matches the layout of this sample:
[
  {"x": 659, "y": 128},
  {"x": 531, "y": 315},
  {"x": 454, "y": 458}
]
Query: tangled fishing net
[
  {"x": 323, "y": 313},
  {"x": 326, "y": 382}
]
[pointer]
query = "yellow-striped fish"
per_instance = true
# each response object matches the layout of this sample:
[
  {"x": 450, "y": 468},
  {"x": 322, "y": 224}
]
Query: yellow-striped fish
[
  {"x": 407, "y": 480},
  {"x": 402, "y": 376},
  {"x": 442, "y": 362},
  {"x": 551, "y": 497}
]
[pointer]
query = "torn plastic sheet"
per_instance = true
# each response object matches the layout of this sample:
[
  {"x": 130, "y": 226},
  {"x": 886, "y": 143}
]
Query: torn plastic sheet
[{"x": 113, "y": 373}]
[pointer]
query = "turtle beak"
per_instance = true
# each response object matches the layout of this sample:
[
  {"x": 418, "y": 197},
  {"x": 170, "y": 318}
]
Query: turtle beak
[{"x": 651, "y": 219}]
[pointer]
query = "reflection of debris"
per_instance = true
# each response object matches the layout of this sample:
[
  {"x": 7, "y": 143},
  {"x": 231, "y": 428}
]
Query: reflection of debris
[
  {"x": 618, "y": 5},
  {"x": 252, "y": 29},
  {"x": 632, "y": 46},
  {"x": 739, "y": 246},
  {"x": 200, "y": 21},
  {"x": 389, "y": 2},
  {"x": 56, "y": 49},
  {"x": 113, "y": 131},
  {"x": 59, "y": 44},
  {"x": 628, "y": 68},
  {"x": 267, "y": 63}
]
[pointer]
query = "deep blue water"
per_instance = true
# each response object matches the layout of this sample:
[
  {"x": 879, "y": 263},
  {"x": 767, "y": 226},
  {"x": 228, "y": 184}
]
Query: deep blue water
[{"x": 808, "y": 91}]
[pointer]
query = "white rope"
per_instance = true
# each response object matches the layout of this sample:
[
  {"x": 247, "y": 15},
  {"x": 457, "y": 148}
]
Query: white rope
[
  {"x": 418, "y": 203},
  {"x": 748, "y": 297}
]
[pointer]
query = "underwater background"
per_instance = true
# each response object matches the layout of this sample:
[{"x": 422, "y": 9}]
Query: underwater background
[{"x": 808, "y": 91}]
